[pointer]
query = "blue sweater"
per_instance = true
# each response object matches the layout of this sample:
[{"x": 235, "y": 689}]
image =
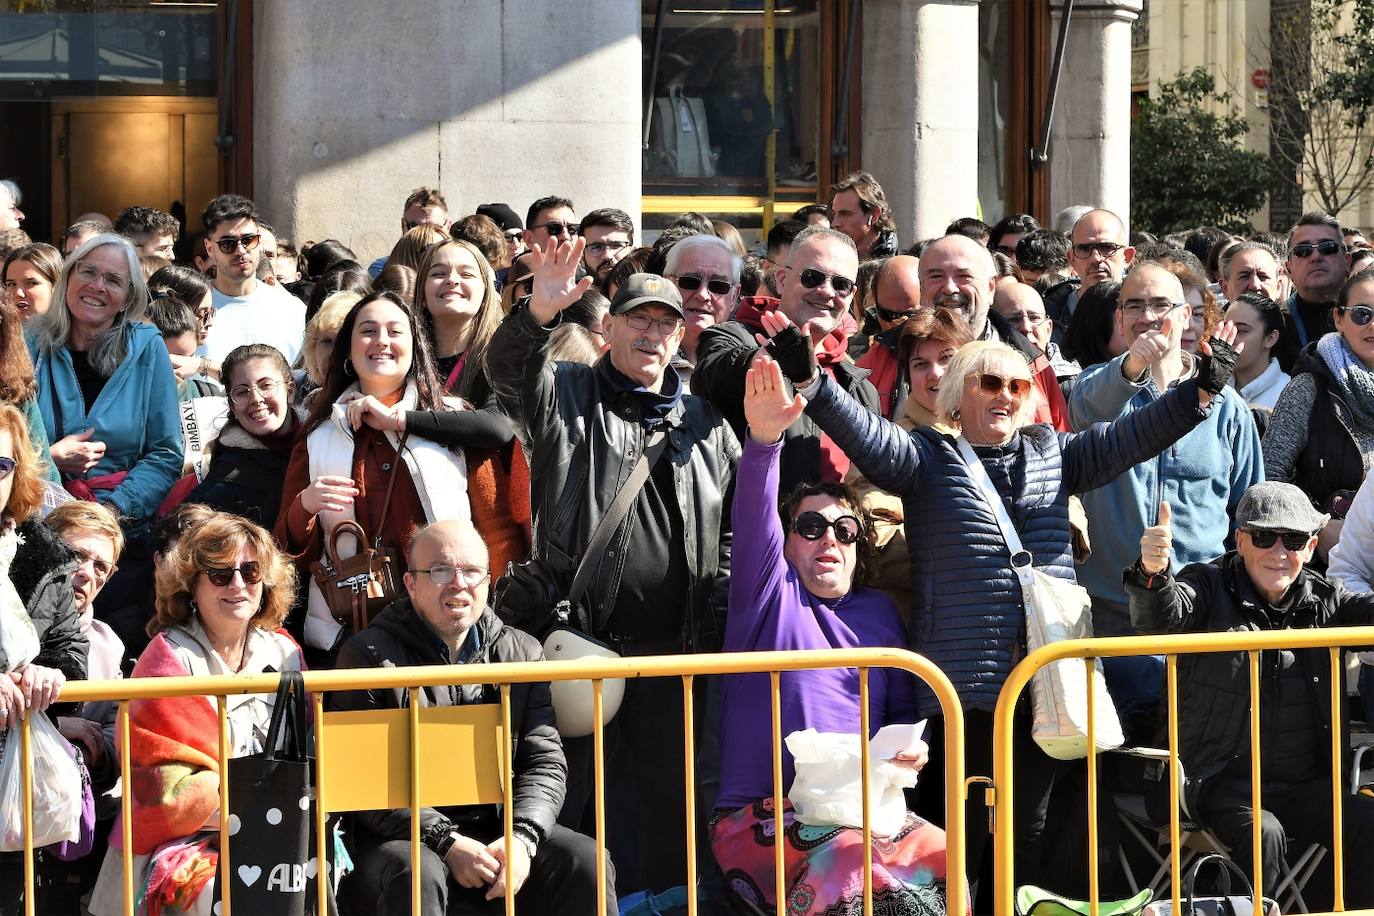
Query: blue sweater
[
  {"x": 136, "y": 416},
  {"x": 1203, "y": 477}
]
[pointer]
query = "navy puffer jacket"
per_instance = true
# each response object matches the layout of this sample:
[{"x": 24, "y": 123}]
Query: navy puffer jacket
[{"x": 966, "y": 609}]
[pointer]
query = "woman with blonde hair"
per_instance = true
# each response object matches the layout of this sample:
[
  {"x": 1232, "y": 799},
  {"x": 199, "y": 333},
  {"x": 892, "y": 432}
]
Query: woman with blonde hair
[
  {"x": 318, "y": 346},
  {"x": 410, "y": 249},
  {"x": 222, "y": 595}
]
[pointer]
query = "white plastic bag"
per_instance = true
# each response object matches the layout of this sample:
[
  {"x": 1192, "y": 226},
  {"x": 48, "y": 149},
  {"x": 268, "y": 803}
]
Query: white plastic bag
[
  {"x": 56, "y": 787},
  {"x": 827, "y": 789}
]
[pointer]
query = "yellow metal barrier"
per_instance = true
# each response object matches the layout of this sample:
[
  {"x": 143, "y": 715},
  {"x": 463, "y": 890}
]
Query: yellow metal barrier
[
  {"x": 1333, "y": 640},
  {"x": 416, "y": 785}
]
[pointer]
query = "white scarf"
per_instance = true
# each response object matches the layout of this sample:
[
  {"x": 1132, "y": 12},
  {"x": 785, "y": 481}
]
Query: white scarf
[{"x": 439, "y": 475}]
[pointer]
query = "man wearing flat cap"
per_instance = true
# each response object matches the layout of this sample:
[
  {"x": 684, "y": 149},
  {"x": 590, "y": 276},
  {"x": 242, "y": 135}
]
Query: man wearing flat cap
[
  {"x": 660, "y": 585},
  {"x": 1262, "y": 585}
]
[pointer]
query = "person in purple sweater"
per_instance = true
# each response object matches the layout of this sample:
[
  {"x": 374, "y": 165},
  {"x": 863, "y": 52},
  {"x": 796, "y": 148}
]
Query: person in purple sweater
[{"x": 792, "y": 586}]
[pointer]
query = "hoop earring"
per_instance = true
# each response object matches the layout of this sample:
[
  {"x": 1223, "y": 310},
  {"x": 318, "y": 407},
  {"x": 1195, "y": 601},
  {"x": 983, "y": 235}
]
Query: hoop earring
[
  {"x": 954, "y": 414},
  {"x": 348, "y": 367}
]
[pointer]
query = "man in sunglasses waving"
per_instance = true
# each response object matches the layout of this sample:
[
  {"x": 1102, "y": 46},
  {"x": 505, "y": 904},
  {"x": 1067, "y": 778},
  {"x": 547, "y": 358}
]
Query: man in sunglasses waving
[{"x": 1261, "y": 585}]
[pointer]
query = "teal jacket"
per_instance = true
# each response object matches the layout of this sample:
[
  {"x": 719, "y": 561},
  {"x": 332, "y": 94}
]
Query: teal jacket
[
  {"x": 136, "y": 416},
  {"x": 38, "y": 438},
  {"x": 1202, "y": 476}
]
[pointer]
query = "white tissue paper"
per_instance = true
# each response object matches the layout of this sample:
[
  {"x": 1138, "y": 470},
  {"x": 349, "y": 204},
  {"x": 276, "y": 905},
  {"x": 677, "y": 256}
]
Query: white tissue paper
[{"x": 828, "y": 788}]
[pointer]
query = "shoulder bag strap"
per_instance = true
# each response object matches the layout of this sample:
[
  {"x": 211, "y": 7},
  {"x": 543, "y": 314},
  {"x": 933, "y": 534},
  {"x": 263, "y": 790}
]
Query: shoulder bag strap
[
  {"x": 615, "y": 513},
  {"x": 994, "y": 501},
  {"x": 390, "y": 487}
]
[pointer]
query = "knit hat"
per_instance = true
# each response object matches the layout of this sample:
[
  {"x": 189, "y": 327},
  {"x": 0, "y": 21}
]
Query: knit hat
[{"x": 502, "y": 215}]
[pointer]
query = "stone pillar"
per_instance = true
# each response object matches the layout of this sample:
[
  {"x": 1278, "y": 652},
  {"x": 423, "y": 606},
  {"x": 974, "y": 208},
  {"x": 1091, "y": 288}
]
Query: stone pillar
[
  {"x": 920, "y": 110},
  {"x": 488, "y": 100},
  {"x": 1090, "y": 141}
]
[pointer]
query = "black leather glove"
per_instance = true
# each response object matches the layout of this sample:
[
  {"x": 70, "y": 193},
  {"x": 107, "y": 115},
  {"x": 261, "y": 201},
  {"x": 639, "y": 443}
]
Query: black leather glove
[
  {"x": 1213, "y": 372},
  {"x": 795, "y": 355}
]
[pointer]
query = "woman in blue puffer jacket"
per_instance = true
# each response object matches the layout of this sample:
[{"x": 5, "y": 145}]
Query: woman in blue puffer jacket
[{"x": 967, "y": 614}]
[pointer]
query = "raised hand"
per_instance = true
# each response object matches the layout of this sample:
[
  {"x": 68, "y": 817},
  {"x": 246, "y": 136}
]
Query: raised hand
[
  {"x": 767, "y": 407},
  {"x": 1149, "y": 348},
  {"x": 1156, "y": 543},
  {"x": 792, "y": 348},
  {"x": 554, "y": 271},
  {"x": 1217, "y": 361}
]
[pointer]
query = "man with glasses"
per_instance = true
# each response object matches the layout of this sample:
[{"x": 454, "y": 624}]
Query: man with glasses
[
  {"x": 549, "y": 217},
  {"x": 247, "y": 310},
  {"x": 424, "y": 207},
  {"x": 706, "y": 272},
  {"x": 1264, "y": 584},
  {"x": 817, "y": 286},
  {"x": 896, "y": 295},
  {"x": 444, "y": 619},
  {"x": 1318, "y": 264},
  {"x": 610, "y": 234},
  {"x": 660, "y": 586},
  {"x": 1023, "y": 309},
  {"x": 1203, "y": 476},
  {"x": 1098, "y": 249},
  {"x": 1008, "y": 231}
]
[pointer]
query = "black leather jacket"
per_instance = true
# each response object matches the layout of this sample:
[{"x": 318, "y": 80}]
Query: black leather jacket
[{"x": 585, "y": 437}]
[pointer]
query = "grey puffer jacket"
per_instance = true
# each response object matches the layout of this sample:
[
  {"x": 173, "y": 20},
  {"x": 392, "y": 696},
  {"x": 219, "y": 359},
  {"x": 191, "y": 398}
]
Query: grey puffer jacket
[
  {"x": 967, "y": 614},
  {"x": 42, "y": 575}
]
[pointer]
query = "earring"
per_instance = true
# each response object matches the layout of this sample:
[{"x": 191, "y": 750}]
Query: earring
[
  {"x": 954, "y": 414},
  {"x": 348, "y": 367}
]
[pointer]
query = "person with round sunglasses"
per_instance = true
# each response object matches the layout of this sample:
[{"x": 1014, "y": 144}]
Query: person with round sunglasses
[
  {"x": 1265, "y": 584},
  {"x": 796, "y": 583},
  {"x": 222, "y": 596},
  {"x": 1321, "y": 436},
  {"x": 967, "y": 612}
]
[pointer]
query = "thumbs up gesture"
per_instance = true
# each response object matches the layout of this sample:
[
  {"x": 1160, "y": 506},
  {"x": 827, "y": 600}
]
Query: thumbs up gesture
[{"x": 1157, "y": 542}]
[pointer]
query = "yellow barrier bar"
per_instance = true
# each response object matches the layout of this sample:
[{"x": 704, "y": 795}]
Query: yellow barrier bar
[
  {"x": 322, "y": 877},
  {"x": 865, "y": 788},
  {"x": 599, "y": 790},
  {"x": 1094, "y": 891},
  {"x": 779, "y": 835},
  {"x": 1256, "y": 803},
  {"x": 126, "y": 817},
  {"x": 689, "y": 779},
  {"x": 26, "y": 775},
  {"x": 1175, "y": 838},
  {"x": 414, "y": 695},
  {"x": 222, "y": 704},
  {"x": 1337, "y": 784},
  {"x": 508, "y": 802}
]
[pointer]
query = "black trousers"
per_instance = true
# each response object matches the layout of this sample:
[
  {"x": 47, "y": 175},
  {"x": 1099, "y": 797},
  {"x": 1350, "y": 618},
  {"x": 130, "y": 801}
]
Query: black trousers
[
  {"x": 1293, "y": 817},
  {"x": 562, "y": 880}
]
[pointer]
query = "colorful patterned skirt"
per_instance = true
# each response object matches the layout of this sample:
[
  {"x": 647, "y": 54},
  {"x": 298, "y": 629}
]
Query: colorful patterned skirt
[{"x": 825, "y": 864}]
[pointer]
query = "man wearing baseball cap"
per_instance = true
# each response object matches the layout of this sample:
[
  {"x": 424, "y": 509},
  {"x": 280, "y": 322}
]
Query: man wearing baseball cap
[
  {"x": 1261, "y": 585},
  {"x": 661, "y": 583}
]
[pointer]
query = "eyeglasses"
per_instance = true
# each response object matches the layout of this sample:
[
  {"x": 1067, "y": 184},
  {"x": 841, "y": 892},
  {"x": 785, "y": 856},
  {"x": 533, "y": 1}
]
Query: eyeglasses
[
  {"x": 222, "y": 575},
  {"x": 1155, "y": 308},
  {"x": 1360, "y": 314},
  {"x": 1103, "y": 250},
  {"x": 230, "y": 243},
  {"x": 1031, "y": 318},
  {"x": 7, "y": 466},
  {"x": 812, "y": 278},
  {"x": 642, "y": 322},
  {"x": 992, "y": 384},
  {"x": 554, "y": 227},
  {"x": 889, "y": 315},
  {"x": 1264, "y": 538},
  {"x": 1305, "y": 249},
  {"x": 102, "y": 569},
  {"x": 812, "y": 526},
  {"x": 467, "y": 576},
  {"x": 690, "y": 283},
  {"x": 89, "y": 274},
  {"x": 514, "y": 235},
  {"x": 243, "y": 394},
  {"x": 600, "y": 248}
]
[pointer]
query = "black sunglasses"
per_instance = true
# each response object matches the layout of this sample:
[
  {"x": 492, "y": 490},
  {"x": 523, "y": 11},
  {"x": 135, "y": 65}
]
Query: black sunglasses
[
  {"x": 230, "y": 243},
  {"x": 690, "y": 283},
  {"x": 1305, "y": 249},
  {"x": 1264, "y": 538},
  {"x": 889, "y": 315},
  {"x": 812, "y": 278},
  {"x": 1103, "y": 250},
  {"x": 553, "y": 227},
  {"x": 1360, "y": 314},
  {"x": 813, "y": 525},
  {"x": 6, "y": 467},
  {"x": 223, "y": 575}
]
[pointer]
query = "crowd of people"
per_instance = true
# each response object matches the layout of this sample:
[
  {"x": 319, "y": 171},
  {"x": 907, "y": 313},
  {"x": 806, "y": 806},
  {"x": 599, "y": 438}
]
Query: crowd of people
[{"x": 511, "y": 426}]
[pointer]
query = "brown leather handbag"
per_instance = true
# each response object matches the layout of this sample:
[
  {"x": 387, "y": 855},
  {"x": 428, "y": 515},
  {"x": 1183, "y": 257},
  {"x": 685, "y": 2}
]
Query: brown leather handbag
[{"x": 357, "y": 587}]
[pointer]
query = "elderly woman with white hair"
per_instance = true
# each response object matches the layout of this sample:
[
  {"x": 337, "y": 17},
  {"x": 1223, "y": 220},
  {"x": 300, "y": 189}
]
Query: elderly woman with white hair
[
  {"x": 105, "y": 384},
  {"x": 967, "y": 612}
]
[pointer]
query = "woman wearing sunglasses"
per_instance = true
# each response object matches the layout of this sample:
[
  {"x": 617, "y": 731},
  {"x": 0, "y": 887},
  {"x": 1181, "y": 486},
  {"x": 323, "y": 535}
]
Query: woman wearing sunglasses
[
  {"x": 967, "y": 611},
  {"x": 105, "y": 385},
  {"x": 1321, "y": 436},
  {"x": 794, "y": 584},
  {"x": 222, "y": 594}
]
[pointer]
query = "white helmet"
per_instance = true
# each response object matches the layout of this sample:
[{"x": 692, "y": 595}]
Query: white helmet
[{"x": 573, "y": 701}]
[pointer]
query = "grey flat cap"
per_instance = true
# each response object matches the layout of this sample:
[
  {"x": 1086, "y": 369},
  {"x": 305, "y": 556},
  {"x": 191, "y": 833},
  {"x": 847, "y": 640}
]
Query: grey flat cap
[{"x": 1275, "y": 506}]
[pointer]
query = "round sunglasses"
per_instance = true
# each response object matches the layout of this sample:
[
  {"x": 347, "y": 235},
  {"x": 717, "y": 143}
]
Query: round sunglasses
[
  {"x": 812, "y": 526},
  {"x": 221, "y": 576}
]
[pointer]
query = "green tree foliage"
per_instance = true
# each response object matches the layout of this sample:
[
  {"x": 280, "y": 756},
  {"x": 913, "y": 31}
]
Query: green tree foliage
[{"x": 1189, "y": 165}]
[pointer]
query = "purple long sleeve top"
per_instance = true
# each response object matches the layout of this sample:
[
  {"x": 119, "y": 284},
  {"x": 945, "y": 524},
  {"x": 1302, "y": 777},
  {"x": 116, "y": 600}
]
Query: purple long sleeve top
[{"x": 771, "y": 609}]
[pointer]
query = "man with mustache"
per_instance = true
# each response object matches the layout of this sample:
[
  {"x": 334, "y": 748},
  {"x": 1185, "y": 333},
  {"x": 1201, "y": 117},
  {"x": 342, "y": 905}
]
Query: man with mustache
[{"x": 816, "y": 286}]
